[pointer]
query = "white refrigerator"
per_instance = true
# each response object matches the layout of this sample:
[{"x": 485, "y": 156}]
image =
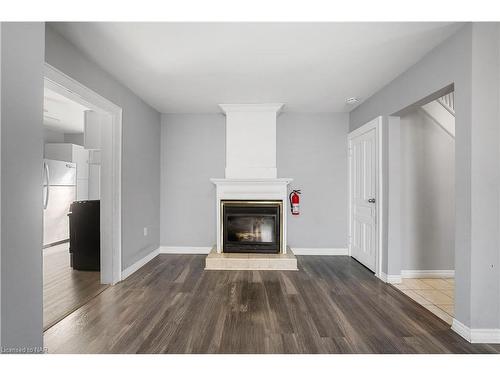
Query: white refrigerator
[{"x": 59, "y": 191}]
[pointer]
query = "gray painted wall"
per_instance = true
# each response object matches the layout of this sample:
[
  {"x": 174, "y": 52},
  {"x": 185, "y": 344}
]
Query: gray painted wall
[
  {"x": 75, "y": 138},
  {"x": 392, "y": 254},
  {"x": 52, "y": 136},
  {"x": 21, "y": 194},
  {"x": 427, "y": 194},
  {"x": 311, "y": 148},
  {"x": 140, "y": 147},
  {"x": 470, "y": 61},
  {"x": 484, "y": 145},
  {"x": 0, "y": 183},
  {"x": 193, "y": 151}
]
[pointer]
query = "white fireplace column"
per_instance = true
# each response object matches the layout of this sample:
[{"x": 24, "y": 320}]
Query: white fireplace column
[
  {"x": 250, "y": 172},
  {"x": 251, "y": 140}
]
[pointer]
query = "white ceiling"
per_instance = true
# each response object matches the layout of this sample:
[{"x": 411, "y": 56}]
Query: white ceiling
[
  {"x": 62, "y": 114},
  {"x": 312, "y": 67}
]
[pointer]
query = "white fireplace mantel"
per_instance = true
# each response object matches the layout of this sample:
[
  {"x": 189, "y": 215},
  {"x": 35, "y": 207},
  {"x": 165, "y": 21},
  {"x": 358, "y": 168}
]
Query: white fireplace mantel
[{"x": 251, "y": 189}]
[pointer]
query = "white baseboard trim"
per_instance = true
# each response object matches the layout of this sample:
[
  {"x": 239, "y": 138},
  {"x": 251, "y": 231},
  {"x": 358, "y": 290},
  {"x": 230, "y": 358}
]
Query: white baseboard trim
[
  {"x": 390, "y": 279},
  {"x": 207, "y": 249},
  {"x": 461, "y": 329},
  {"x": 141, "y": 262},
  {"x": 476, "y": 335},
  {"x": 426, "y": 274},
  {"x": 185, "y": 249},
  {"x": 319, "y": 251},
  {"x": 485, "y": 336}
]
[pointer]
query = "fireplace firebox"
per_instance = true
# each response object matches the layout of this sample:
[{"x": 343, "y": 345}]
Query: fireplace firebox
[{"x": 251, "y": 226}]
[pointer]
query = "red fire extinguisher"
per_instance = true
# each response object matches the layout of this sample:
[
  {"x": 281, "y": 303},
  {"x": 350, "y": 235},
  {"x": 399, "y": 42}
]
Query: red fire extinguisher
[{"x": 294, "y": 202}]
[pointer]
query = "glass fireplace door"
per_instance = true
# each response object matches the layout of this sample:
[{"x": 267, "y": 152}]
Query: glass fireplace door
[{"x": 251, "y": 227}]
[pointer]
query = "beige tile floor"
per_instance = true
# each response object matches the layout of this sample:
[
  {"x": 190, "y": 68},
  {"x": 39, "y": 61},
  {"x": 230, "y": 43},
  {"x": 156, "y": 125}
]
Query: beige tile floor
[{"x": 436, "y": 295}]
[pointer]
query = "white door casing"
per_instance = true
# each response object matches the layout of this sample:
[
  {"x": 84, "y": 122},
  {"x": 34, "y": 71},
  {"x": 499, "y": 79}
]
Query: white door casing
[
  {"x": 111, "y": 136},
  {"x": 364, "y": 203}
]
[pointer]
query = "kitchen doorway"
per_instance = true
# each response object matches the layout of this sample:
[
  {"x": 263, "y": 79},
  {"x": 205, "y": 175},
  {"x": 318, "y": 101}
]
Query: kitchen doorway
[{"x": 81, "y": 195}]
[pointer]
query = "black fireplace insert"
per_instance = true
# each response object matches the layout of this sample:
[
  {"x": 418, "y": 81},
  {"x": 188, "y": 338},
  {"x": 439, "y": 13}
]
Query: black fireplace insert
[{"x": 251, "y": 226}]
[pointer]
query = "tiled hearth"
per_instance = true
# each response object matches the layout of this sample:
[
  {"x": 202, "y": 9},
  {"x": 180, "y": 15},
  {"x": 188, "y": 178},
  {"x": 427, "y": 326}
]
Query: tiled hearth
[
  {"x": 436, "y": 295},
  {"x": 250, "y": 261}
]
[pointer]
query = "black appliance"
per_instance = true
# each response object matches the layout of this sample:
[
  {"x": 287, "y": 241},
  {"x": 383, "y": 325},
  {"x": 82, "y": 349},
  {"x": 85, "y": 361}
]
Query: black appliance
[{"x": 85, "y": 235}]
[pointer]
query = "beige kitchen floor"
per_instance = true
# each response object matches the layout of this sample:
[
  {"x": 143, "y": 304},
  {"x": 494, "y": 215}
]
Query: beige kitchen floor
[{"x": 436, "y": 295}]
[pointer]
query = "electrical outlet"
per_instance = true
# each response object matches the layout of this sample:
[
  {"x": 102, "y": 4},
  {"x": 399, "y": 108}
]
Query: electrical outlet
[{"x": 145, "y": 231}]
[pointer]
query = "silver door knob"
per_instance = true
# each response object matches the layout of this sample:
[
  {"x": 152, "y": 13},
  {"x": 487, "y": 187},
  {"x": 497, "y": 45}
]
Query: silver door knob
[{"x": 371, "y": 200}]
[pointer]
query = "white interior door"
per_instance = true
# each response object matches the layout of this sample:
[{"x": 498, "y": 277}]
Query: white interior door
[{"x": 363, "y": 186}]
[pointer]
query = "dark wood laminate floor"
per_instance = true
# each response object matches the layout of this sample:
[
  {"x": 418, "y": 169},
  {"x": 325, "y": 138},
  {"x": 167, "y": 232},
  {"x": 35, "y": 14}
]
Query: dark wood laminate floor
[
  {"x": 65, "y": 289},
  {"x": 331, "y": 305}
]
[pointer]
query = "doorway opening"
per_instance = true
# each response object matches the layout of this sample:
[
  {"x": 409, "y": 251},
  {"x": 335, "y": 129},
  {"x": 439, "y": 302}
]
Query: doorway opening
[
  {"x": 81, "y": 195},
  {"x": 402, "y": 200},
  {"x": 427, "y": 136}
]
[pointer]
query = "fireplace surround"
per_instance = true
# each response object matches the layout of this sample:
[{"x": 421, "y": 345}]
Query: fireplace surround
[
  {"x": 251, "y": 226},
  {"x": 268, "y": 191},
  {"x": 251, "y": 201}
]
